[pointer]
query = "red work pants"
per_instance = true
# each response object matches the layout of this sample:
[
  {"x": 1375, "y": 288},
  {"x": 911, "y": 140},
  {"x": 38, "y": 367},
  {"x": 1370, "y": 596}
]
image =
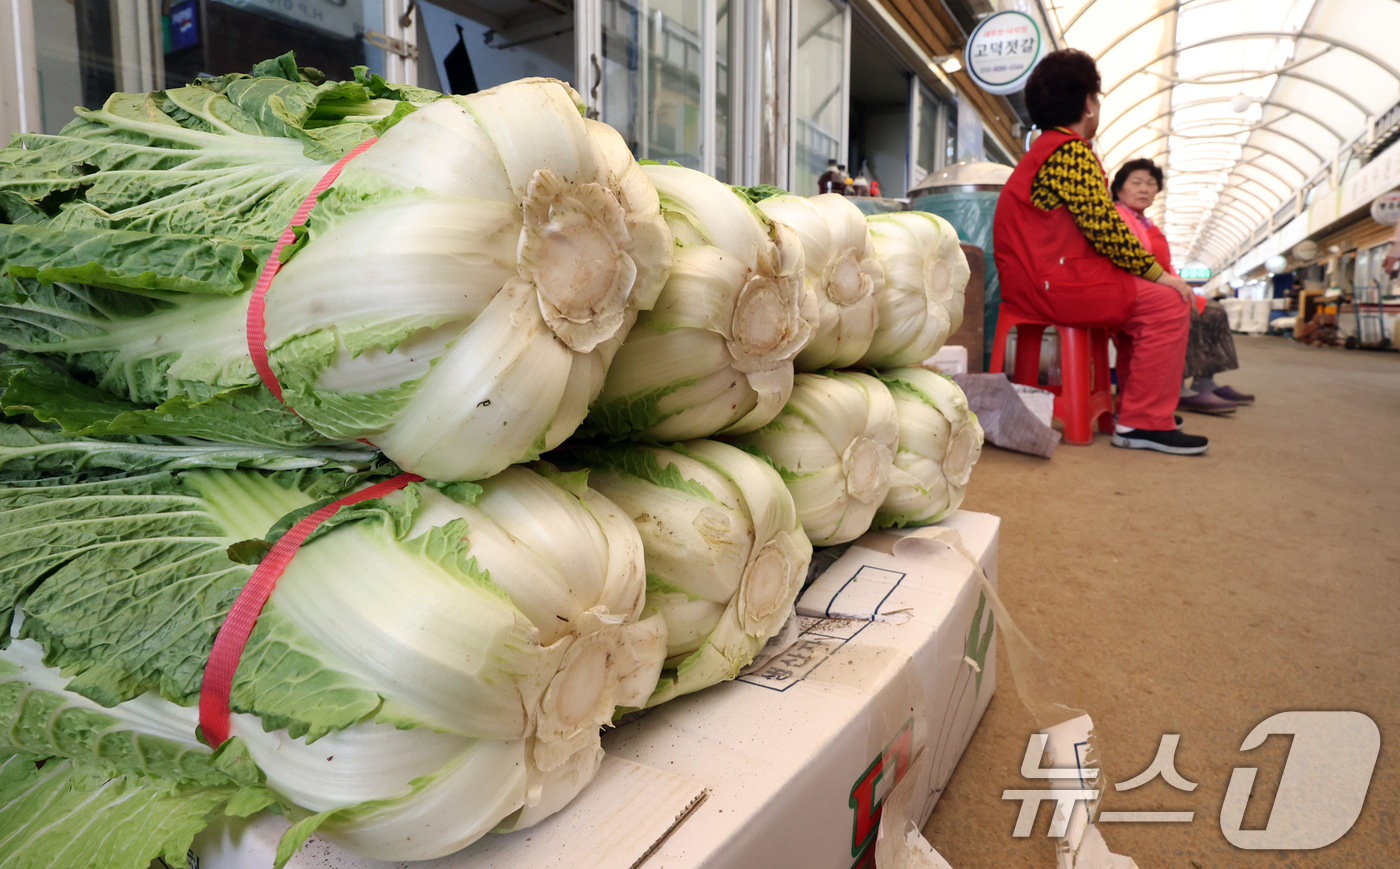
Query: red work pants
[{"x": 1151, "y": 354}]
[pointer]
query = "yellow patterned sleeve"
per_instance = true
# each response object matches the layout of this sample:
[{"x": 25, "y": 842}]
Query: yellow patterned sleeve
[{"x": 1071, "y": 178}]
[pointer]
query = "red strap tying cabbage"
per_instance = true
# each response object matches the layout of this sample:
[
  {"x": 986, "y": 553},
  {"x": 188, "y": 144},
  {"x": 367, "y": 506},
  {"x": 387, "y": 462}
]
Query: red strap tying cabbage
[
  {"x": 238, "y": 624},
  {"x": 257, "y": 305}
]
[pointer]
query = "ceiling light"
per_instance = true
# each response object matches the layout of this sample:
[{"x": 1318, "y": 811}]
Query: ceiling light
[
  {"x": 949, "y": 63},
  {"x": 1241, "y": 103}
]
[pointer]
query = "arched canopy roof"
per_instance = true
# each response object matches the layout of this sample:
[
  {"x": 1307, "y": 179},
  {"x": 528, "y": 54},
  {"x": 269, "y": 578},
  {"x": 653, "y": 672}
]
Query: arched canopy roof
[{"x": 1312, "y": 74}]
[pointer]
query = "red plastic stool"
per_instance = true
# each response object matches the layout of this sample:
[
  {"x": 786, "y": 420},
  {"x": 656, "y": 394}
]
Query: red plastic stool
[{"x": 1084, "y": 395}]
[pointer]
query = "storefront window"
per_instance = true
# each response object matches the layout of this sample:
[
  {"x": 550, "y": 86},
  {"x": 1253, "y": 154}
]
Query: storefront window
[
  {"x": 75, "y": 47},
  {"x": 652, "y": 90},
  {"x": 86, "y": 50},
  {"x": 927, "y": 145},
  {"x": 655, "y": 79},
  {"x": 950, "y": 134},
  {"x": 516, "y": 39},
  {"x": 819, "y": 101},
  {"x": 232, "y": 35},
  {"x": 725, "y": 31}
]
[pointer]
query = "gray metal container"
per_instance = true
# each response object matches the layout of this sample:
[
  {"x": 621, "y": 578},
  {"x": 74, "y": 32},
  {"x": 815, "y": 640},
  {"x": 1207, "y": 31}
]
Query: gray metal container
[{"x": 878, "y": 204}]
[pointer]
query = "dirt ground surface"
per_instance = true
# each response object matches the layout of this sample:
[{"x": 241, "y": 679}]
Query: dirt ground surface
[{"x": 1198, "y": 596}]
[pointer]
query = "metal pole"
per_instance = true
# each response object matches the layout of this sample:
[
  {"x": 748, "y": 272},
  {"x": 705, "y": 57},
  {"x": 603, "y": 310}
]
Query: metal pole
[
  {"x": 19, "y": 87},
  {"x": 845, "y": 131},
  {"x": 709, "y": 81}
]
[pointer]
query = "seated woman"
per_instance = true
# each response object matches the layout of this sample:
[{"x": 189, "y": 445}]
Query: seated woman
[
  {"x": 1066, "y": 256},
  {"x": 1391, "y": 263},
  {"x": 1210, "y": 349}
]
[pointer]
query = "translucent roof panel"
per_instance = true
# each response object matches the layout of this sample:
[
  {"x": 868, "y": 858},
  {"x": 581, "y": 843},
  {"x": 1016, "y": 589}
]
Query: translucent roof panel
[{"x": 1239, "y": 101}]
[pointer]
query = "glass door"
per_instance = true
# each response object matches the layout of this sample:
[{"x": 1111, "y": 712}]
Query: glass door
[
  {"x": 933, "y": 133},
  {"x": 663, "y": 74},
  {"x": 821, "y": 35}
]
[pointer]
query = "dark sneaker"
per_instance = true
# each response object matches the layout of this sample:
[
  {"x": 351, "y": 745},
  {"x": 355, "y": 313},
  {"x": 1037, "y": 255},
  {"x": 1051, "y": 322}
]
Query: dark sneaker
[
  {"x": 1176, "y": 419},
  {"x": 1171, "y": 441},
  {"x": 1230, "y": 394},
  {"x": 1206, "y": 402}
]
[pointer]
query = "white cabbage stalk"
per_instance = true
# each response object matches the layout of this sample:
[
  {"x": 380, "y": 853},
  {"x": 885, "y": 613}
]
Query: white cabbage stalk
[
  {"x": 496, "y": 677},
  {"x": 834, "y": 444},
  {"x": 725, "y": 553},
  {"x": 466, "y": 320},
  {"x": 841, "y": 264},
  {"x": 926, "y": 276},
  {"x": 715, "y": 355},
  {"x": 939, "y": 442}
]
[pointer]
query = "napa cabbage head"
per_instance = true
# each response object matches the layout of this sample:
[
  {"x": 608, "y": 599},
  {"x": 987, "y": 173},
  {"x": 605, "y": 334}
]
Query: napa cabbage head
[
  {"x": 926, "y": 276},
  {"x": 455, "y": 297},
  {"x": 834, "y": 445},
  {"x": 430, "y": 666},
  {"x": 725, "y": 553},
  {"x": 939, "y": 442},
  {"x": 841, "y": 264},
  {"x": 715, "y": 354}
]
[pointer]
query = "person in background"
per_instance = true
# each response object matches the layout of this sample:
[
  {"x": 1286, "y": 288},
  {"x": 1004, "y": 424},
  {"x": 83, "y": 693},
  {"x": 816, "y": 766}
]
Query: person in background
[
  {"x": 1391, "y": 263},
  {"x": 1210, "y": 348},
  {"x": 1066, "y": 256}
]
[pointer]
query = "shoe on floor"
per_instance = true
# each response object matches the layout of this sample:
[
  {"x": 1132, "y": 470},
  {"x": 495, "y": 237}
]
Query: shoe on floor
[
  {"x": 1230, "y": 394},
  {"x": 1206, "y": 402},
  {"x": 1179, "y": 422},
  {"x": 1170, "y": 441}
]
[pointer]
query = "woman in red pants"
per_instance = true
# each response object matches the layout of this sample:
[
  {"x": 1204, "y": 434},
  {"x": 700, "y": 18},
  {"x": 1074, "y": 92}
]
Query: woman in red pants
[
  {"x": 1210, "y": 348},
  {"x": 1066, "y": 256}
]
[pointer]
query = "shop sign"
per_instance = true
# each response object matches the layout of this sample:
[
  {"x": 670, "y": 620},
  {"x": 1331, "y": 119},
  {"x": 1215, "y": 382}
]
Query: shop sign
[
  {"x": 183, "y": 29},
  {"x": 1201, "y": 274},
  {"x": 1003, "y": 50},
  {"x": 1375, "y": 178},
  {"x": 1386, "y": 209}
]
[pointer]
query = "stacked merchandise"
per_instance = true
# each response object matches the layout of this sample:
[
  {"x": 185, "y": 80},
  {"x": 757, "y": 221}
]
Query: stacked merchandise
[{"x": 359, "y": 459}]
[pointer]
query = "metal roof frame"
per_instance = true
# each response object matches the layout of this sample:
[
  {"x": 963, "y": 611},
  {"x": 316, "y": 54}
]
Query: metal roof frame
[
  {"x": 1289, "y": 111},
  {"x": 1263, "y": 153},
  {"x": 1220, "y": 137},
  {"x": 1298, "y": 36}
]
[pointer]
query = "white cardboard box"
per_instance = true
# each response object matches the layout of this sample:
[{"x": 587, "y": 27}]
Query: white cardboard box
[
  {"x": 950, "y": 359},
  {"x": 786, "y": 767}
]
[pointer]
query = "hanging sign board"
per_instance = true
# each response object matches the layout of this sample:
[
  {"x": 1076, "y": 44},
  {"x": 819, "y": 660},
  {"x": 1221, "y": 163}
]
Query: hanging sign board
[
  {"x": 1003, "y": 50},
  {"x": 1386, "y": 209}
]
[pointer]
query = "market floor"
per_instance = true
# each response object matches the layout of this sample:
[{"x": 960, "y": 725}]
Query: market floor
[{"x": 1199, "y": 596}]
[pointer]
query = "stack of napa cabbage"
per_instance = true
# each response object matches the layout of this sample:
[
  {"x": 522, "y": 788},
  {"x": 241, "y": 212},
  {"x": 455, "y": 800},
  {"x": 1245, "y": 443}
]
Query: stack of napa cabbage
[
  {"x": 489, "y": 274},
  {"x": 432, "y": 664}
]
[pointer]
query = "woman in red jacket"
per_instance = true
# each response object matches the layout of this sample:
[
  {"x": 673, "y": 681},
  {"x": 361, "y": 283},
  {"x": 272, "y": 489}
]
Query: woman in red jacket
[
  {"x": 1066, "y": 256},
  {"x": 1210, "y": 348}
]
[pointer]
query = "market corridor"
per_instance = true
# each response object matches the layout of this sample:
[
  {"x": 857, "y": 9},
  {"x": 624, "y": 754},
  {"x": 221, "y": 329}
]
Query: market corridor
[{"x": 1198, "y": 597}]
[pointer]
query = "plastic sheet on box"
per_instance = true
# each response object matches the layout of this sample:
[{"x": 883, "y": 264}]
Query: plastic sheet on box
[{"x": 1005, "y": 419}]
